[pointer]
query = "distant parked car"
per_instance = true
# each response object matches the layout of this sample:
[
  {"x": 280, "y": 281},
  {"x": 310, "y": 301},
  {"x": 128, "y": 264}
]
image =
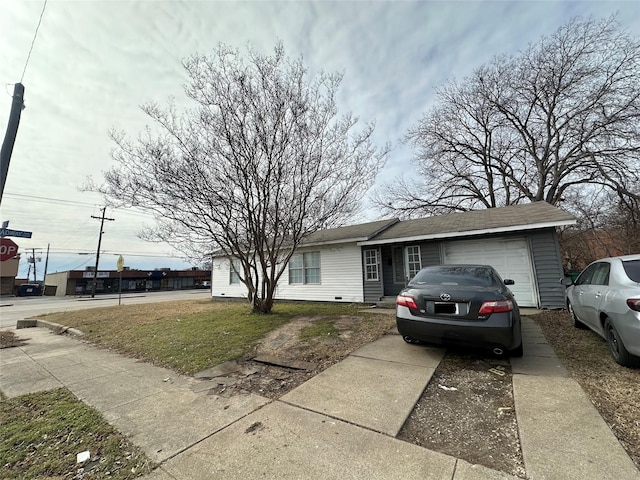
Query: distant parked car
[
  {"x": 465, "y": 305},
  {"x": 606, "y": 298},
  {"x": 29, "y": 290}
]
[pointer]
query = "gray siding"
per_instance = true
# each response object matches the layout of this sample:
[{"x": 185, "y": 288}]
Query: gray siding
[
  {"x": 373, "y": 291},
  {"x": 429, "y": 255},
  {"x": 548, "y": 267},
  {"x": 544, "y": 249}
]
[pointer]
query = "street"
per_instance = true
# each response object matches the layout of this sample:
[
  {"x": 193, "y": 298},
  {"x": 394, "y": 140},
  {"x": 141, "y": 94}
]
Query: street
[{"x": 13, "y": 309}]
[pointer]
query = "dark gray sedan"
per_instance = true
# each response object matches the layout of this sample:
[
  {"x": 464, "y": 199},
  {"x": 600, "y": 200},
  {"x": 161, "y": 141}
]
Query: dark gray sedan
[{"x": 465, "y": 305}]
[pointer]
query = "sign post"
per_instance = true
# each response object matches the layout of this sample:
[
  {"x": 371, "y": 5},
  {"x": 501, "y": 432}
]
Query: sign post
[{"x": 120, "y": 267}]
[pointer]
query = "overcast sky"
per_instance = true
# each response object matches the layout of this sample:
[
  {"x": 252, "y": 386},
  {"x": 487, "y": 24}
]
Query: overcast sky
[{"x": 95, "y": 62}]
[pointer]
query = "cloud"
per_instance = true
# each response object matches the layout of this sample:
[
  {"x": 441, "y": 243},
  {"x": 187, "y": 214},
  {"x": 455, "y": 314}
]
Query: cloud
[{"x": 94, "y": 63}]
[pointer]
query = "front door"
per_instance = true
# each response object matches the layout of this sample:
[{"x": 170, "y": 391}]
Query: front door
[{"x": 406, "y": 263}]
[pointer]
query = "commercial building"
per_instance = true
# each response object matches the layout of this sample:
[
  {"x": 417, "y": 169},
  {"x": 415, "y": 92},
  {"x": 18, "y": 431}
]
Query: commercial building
[{"x": 80, "y": 282}]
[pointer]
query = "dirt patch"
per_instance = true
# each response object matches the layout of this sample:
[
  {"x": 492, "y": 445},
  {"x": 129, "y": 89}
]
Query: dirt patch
[
  {"x": 467, "y": 411},
  {"x": 9, "y": 339},
  {"x": 283, "y": 360}
]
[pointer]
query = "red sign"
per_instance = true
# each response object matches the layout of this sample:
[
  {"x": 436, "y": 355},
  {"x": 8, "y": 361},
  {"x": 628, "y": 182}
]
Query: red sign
[{"x": 8, "y": 249}]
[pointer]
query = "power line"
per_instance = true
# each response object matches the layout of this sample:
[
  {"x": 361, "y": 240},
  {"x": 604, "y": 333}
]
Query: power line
[
  {"x": 38, "y": 199},
  {"x": 76, "y": 264},
  {"x": 133, "y": 254},
  {"x": 35, "y": 198},
  {"x": 70, "y": 251},
  {"x": 35, "y": 35}
]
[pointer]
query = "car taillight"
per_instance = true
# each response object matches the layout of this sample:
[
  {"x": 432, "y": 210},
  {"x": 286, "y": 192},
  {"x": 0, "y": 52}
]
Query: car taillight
[
  {"x": 406, "y": 301},
  {"x": 634, "y": 304},
  {"x": 496, "y": 306}
]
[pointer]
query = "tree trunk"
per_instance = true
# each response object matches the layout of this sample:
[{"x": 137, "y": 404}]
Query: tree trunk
[{"x": 262, "y": 305}]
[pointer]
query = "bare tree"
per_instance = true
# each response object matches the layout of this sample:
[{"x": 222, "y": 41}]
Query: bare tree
[
  {"x": 263, "y": 161},
  {"x": 558, "y": 117},
  {"x": 608, "y": 225}
]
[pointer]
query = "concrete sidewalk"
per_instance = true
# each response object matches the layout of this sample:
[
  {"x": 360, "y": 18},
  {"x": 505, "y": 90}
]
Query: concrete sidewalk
[
  {"x": 562, "y": 435},
  {"x": 160, "y": 411},
  {"x": 341, "y": 424}
]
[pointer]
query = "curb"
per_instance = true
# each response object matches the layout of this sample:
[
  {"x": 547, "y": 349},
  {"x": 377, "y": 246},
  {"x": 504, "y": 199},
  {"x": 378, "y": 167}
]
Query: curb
[{"x": 55, "y": 327}]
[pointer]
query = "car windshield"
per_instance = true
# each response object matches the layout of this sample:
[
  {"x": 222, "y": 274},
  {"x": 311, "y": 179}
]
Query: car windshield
[
  {"x": 632, "y": 268},
  {"x": 467, "y": 275}
]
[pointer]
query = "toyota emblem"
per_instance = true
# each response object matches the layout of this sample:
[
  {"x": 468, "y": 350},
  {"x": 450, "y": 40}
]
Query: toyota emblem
[{"x": 445, "y": 296}]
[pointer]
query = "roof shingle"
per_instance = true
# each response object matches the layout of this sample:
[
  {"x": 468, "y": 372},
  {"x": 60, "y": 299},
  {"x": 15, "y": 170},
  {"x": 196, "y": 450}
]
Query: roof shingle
[
  {"x": 356, "y": 233},
  {"x": 527, "y": 216}
]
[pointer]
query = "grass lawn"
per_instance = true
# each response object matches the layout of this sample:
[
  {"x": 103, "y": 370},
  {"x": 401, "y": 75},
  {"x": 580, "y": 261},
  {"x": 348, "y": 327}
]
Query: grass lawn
[
  {"x": 190, "y": 336},
  {"x": 320, "y": 328},
  {"x": 42, "y": 433}
]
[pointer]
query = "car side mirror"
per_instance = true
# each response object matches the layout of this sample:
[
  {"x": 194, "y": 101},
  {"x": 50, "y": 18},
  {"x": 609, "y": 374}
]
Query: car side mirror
[
  {"x": 508, "y": 281},
  {"x": 566, "y": 281}
]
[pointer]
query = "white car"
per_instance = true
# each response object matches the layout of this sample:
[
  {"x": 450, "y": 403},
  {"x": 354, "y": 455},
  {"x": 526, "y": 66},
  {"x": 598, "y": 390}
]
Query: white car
[{"x": 606, "y": 298}]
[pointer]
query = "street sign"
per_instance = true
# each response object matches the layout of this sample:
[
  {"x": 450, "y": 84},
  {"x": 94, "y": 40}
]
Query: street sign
[
  {"x": 120, "y": 263},
  {"x": 7, "y": 232},
  {"x": 8, "y": 249},
  {"x": 156, "y": 273}
]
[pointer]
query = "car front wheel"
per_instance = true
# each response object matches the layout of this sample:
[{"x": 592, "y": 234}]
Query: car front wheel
[{"x": 616, "y": 347}]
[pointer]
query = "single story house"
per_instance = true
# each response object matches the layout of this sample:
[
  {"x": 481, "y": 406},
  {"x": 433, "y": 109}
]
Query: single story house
[{"x": 373, "y": 261}]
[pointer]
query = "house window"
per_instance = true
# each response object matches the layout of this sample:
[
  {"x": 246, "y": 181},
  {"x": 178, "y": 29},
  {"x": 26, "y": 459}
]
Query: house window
[
  {"x": 235, "y": 267},
  {"x": 296, "y": 269},
  {"x": 371, "y": 265},
  {"x": 414, "y": 264},
  {"x": 304, "y": 268},
  {"x": 406, "y": 263}
]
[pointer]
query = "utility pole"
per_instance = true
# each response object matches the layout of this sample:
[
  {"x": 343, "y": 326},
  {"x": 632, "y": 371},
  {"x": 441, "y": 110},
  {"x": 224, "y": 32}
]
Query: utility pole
[
  {"x": 10, "y": 136},
  {"x": 102, "y": 218},
  {"x": 35, "y": 278},
  {"x": 46, "y": 265}
]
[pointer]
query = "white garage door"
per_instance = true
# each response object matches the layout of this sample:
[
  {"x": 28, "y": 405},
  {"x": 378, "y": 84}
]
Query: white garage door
[{"x": 510, "y": 257}]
